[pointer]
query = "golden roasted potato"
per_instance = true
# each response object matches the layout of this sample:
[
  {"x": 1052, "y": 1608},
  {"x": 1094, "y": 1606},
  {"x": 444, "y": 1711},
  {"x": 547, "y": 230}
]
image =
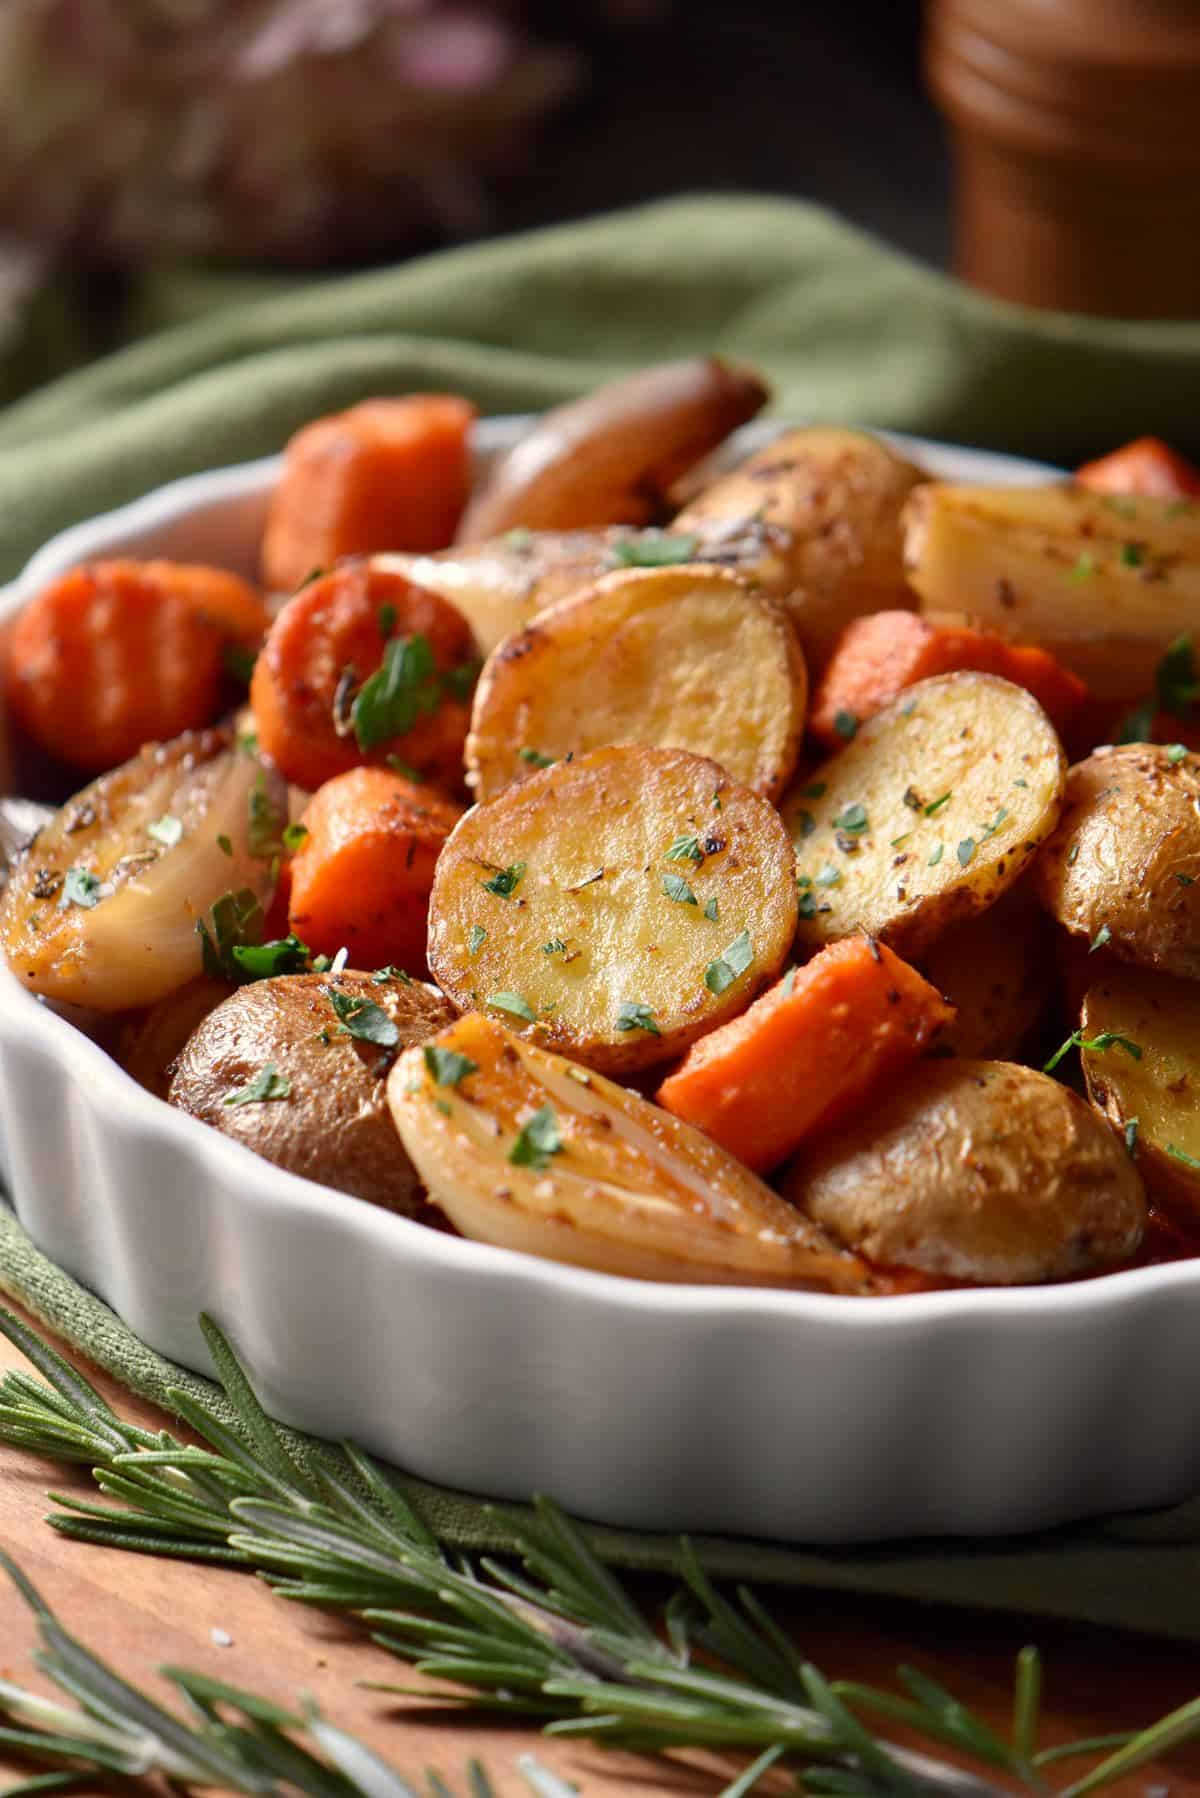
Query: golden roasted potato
[
  {"x": 148, "y": 1041},
  {"x": 528, "y": 1151},
  {"x": 1105, "y": 583},
  {"x": 931, "y": 813},
  {"x": 828, "y": 503},
  {"x": 1123, "y": 867},
  {"x": 617, "y": 905},
  {"x": 997, "y": 970},
  {"x": 975, "y": 1170},
  {"x": 684, "y": 657},
  {"x": 613, "y": 456},
  {"x": 1141, "y": 1061},
  {"x": 499, "y": 586},
  {"x": 322, "y": 1110}
]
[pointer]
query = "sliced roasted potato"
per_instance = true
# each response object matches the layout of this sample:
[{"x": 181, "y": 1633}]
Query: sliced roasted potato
[
  {"x": 613, "y": 456},
  {"x": 930, "y": 814},
  {"x": 997, "y": 970},
  {"x": 1105, "y": 583},
  {"x": 617, "y": 905},
  {"x": 1141, "y": 1060},
  {"x": 828, "y": 503},
  {"x": 528, "y": 1151},
  {"x": 102, "y": 908},
  {"x": 325, "y": 1114},
  {"x": 1124, "y": 864},
  {"x": 685, "y": 657},
  {"x": 149, "y": 1041},
  {"x": 976, "y": 1170}
]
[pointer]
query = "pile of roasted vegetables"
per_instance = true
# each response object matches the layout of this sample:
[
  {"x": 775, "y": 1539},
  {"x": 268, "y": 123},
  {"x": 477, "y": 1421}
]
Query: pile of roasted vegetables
[{"x": 814, "y": 805}]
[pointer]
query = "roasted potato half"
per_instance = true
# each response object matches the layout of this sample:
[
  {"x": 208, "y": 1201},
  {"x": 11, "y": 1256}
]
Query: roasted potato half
[
  {"x": 325, "y": 1113},
  {"x": 684, "y": 657},
  {"x": 615, "y": 906},
  {"x": 828, "y": 503},
  {"x": 976, "y": 1170},
  {"x": 931, "y": 813},
  {"x": 1123, "y": 867},
  {"x": 1141, "y": 1061},
  {"x": 997, "y": 970},
  {"x": 525, "y": 1150}
]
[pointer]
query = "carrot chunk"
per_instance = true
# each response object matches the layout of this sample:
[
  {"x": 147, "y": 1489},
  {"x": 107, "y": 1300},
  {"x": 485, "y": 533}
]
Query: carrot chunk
[
  {"x": 1143, "y": 469},
  {"x": 806, "y": 1052},
  {"x": 362, "y": 876},
  {"x": 361, "y": 666},
  {"x": 876, "y": 657},
  {"x": 116, "y": 654},
  {"x": 387, "y": 474}
]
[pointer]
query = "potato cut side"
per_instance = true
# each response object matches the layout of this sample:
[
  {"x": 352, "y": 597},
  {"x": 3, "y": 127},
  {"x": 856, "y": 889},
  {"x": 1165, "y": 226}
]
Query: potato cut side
[
  {"x": 615, "y": 906},
  {"x": 997, "y": 970},
  {"x": 931, "y": 813},
  {"x": 827, "y": 503},
  {"x": 976, "y": 1170},
  {"x": 1124, "y": 864},
  {"x": 1105, "y": 583},
  {"x": 684, "y": 657},
  {"x": 528, "y": 1151},
  {"x": 1153, "y": 1096}
]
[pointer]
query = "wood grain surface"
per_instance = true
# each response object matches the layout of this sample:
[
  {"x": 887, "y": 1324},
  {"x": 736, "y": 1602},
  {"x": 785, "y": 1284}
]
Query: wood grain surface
[{"x": 141, "y": 1613}]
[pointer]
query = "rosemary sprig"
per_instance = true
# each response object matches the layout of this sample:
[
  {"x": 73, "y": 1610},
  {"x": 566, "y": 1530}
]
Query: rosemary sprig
[
  {"x": 237, "y": 1740},
  {"x": 560, "y": 1639}
]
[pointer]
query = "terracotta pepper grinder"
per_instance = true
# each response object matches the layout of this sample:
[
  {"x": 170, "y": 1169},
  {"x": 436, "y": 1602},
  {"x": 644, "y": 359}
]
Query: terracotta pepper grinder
[{"x": 1075, "y": 131}]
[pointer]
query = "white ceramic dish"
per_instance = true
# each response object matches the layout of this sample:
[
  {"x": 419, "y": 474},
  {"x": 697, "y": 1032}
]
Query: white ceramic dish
[{"x": 778, "y": 1414}]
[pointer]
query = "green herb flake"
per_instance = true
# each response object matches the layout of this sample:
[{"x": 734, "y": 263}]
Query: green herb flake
[
  {"x": 239, "y": 662},
  {"x": 808, "y": 906},
  {"x": 1132, "y": 555},
  {"x": 538, "y": 1139},
  {"x": 721, "y": 974},
  {"x": 935, "y": 858},
  {"x": 1102, "y": 936},
  {"x": 829, "y": 876},
  {"x": 263, "y": 961},
  {"x": 535, "y": 759},
  {"x": 477, "y": 939},
  {"x": 555, "y": 946},
  {"x": 1107, "y": 1039},
  {"x": 514, "y": 1005},
  {"x": 1021, "y": 782},
  {"x": 654, "y": 549},
  {"x": 1072, "y": 855},
  {"x": 389, "y": 974},
  {"x": 398, "y": 765},
  {"x": 446, "y": 1067},
  {"x": 363, "y": 1019},
  {"x": 846, "y": 725},
  {"x": 267, "y": 1084},
  {"x": 1084, "y": 568},
  {"x": 294, "y": 837},
  {"x": 805, "y": 823},
  {"x": 1182, "y": 1155},
  {"x": 906, "y": 711},
  {"x": 935, "y": 805},
  {"x": 676, "y": 887},
  {"x": 814, "y": 790},
  {"x": 685, "y": 849},
  {"x": 79, "y": 887},
  {"x": 632, "y": 1015},
  {"x": 404, "y": 688},
  {"x": 1131, "y": 1132},
  {"x": 266, "y": 820},
  {"x": 711, "y": 911},
  {"x": 898, "y": 842},
  {"x": 518, "y": 539},
  {"x": 853, "y": 820},
  {"x": 789, "y": 982},
  {"x": 224, "y": 844},
  {"x": 166, "y": 830},
  {"x": 1186, "y": 880},
  {"x": 387, "y": 620},
  {"x": 505, "y": 881},
  {"x": 1176, "y": 753},
  {"x": 966, "y": 851}
]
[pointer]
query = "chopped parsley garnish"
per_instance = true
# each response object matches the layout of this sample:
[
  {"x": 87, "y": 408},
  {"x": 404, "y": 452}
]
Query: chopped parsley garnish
[
  {"x": 1084, "y": 568},
  {"x": 446, "y": 1066},
  {"x": 676, "y": 887},
  {"x": 789, "y": 982},
  {"x": 519, "y": 538},
  {"x": 224, "y": 844},
  {"x": 685, "y": 849},
  {"x": 538, "y": 1139},
  {"x": 460, "y": 682},
  {"x": 852, "y": 820},
  {"x": 555, "y": 946},
  {"x": 966, "y": 851},
  {"x": 1072, "y": 855},
  {"x": 989, "y": 830},
  {"x": 722, "y": 973},
  {"x": 898, "y": 842},
  {"x": 808, "y": 904},
  {"x": 1107, "y": 1039},
  {"x": 1132, "y": 555},
  {"x": 363, "y": 1019},
  {"x": 239, "y": 662},
  {"x": 654, "y": 549},
  {"x": 935, "y": 805},
  {"x": 514, "y": 1005},
  {"x": 385, "y": 976},
  {"x": 477, "y": 940},
  {"x": 935, "y": 858},
  {"x": 79, "y": 887},
  {"x": 1176, "y": 753},
  {"x": 266, "y": 821},
  {"x": 814, "y": 790},
  {"x": 535, "y": 758},
  {"x": 505, "y": 881},
  {"x": 846, "y": 725},
  {"x": 1176, "y": 690},
  {"x": 1186, "y": 880},
  {"x": 805, "y": 823},
  {"x": 294, "y": 837},
  {"x": 1131, "y": 1131},
  {"x": 828, "y": 877},
  {"x": 1182, "y": 1155},
  {"x": 387, "y": 620},
  {"x": 262, "y": 961},
  {"x": 268, "y": 1083},
  {"x": 166, "y": 830},
  {"x": 235, "y": 920},
  {"x": 406, "y": 686},
  {"x": 398, "y": 765},
  {"x": 632, "y": 1015},
  {"x": 1102, "y": 936},
  {"x": 711, "y": 910}
]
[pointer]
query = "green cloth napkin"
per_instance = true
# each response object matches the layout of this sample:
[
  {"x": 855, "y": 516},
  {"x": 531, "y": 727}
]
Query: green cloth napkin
[{"x": 847, "y": 331}]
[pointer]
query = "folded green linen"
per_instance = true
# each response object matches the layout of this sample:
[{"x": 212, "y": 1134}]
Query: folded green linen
[{"x": 846, "y": 330}]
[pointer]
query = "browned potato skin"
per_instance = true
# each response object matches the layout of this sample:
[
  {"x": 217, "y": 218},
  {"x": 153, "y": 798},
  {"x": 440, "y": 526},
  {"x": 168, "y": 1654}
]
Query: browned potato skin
[
  {"x": 334, "y": 1127},
  {"x": 1161, "y": 1088},
  {"x": 828, "y": 503},
  {"x": 150, "y": 1040},
  {"x": 1126, "y": 856},
  {"x": 982, "y": 1171},
  {"x": 997, "y": 970}
]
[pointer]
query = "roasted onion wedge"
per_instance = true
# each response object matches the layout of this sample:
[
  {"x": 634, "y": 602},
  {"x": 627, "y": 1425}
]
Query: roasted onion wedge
[
  {"x": 101, "y": 908},
  {"x": 613, "y": 456},
  {"x": 528, "y": 1151}
]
